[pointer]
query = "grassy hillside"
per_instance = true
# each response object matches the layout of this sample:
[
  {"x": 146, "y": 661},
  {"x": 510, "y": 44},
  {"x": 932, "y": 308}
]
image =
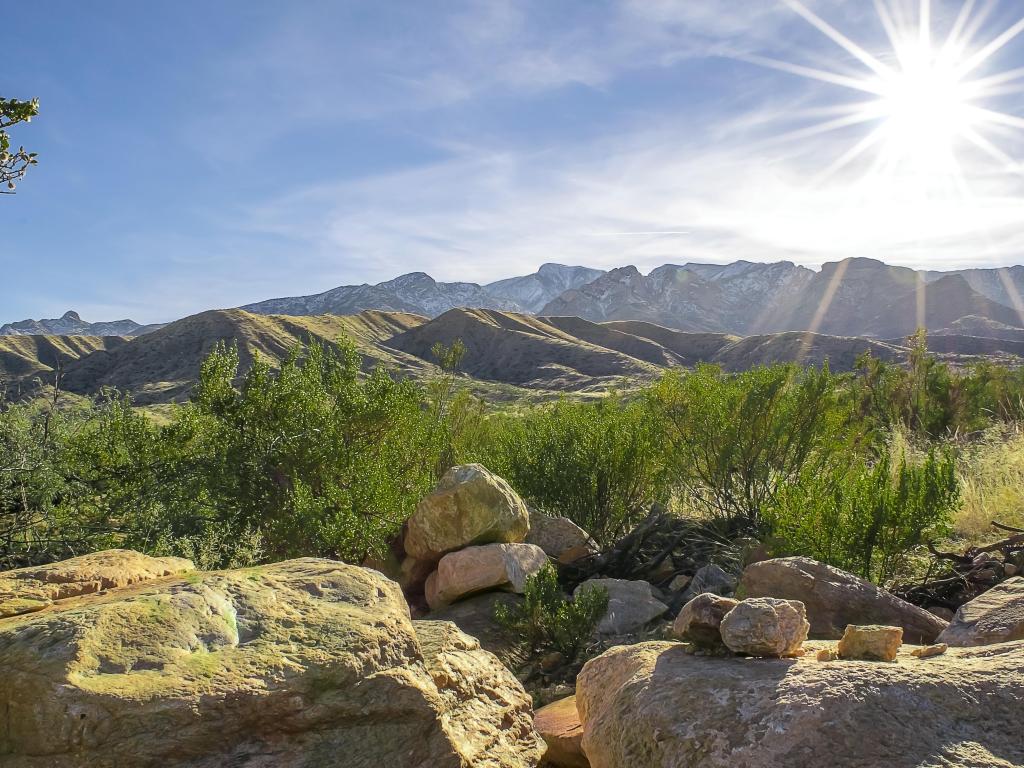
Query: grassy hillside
[{"x": 27, "y": 357}]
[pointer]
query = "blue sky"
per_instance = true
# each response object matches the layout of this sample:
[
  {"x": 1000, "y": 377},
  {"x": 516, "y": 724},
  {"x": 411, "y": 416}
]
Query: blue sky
[{"x": 197, "y": 154}]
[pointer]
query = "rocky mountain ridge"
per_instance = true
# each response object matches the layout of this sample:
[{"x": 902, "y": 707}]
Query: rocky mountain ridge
[{"x": 71, "y": 324}]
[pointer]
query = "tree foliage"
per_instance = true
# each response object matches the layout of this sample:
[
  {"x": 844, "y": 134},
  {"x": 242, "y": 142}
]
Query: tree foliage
[{"x": 14, "y": 163}]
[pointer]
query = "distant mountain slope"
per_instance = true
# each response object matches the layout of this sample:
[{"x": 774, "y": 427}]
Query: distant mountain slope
[
  {"x": 1004, "y": 285},
  {"x": 523, "y": 350},
  {"x": 533, "y": 292},
  {"x": 70, "y": 324},
  {"x": 416, "y": 292},
  {"x": 26, "y": 357},
  {"x": 163, "y": 366},
  {"x": 508, "y": 355}
]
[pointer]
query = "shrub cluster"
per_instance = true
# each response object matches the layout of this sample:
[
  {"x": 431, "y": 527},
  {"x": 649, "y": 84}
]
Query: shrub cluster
[{"x": 320, "y": 458}]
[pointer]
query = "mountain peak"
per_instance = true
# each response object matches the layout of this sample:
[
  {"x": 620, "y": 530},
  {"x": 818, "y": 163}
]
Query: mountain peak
[{"x": 71, "y": 315}]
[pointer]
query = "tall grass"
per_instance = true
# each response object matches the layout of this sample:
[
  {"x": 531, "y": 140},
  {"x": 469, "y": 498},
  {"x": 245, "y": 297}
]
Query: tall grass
[{"x": 991, "y": 473}]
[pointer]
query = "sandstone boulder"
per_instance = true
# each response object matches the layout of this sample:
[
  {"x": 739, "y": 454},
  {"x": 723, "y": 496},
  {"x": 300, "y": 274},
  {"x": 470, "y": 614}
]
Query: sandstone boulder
[
  {"x": 631, "y": 605},
  {"x": 476, "y": 569},
  {"x": 475, "y": 616},
  {"x": 302, "y": 664},
  {"x": 559, "y": 725},
  {"x": 835, "y": 599},
  {"x": 870, "y": 643},
  {"x": 653, "y": 705},
  {"x": 470, "y": 505},
  {"x": 995, "y": 616},
  {"x": 765, "y": 626},
  {"x": 700, "y": 619},
  {"x": 31, "y": 589},
  {"x": 559, "y": 537}
]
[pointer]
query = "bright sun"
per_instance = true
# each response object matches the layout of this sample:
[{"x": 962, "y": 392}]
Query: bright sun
[{"x": 925, "y": 100}]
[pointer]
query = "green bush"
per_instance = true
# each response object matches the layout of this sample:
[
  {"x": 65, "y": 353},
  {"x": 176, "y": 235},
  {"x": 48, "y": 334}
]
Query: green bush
[
  {"x": 546, "y": 620},
  {"x": 736, "y": 439},
  {"x": 867, "y": 518},
  {"x": 599, "y": 464}
]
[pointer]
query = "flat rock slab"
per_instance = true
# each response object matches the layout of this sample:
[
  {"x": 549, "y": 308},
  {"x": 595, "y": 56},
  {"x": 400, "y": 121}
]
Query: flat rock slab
[
  {"x": 995, "y": 616},
  {"x": 302, "y": 664},
  {"x": 30, "y": 589},
  {"x": 835, "y": 598},
  {"x": 656, "y": 705}
]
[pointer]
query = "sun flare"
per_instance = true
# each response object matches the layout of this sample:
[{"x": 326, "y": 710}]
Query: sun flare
[{"x": 928, "y": 98}]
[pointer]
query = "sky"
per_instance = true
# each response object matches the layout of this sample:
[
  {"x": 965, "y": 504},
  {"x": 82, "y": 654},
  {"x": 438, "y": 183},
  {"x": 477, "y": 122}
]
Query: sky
[{"x": 197, "y": 155}]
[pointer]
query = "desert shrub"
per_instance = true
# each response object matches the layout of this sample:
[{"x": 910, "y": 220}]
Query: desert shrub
[
  {"x": 866, "y": 517},
  {"x": 546, "y": 620},
  {"x": 599, "y": 464},
  {"x": 736, "y": 439}
]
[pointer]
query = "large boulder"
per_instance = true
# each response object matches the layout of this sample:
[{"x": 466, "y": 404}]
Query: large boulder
[
  {"x": 470, "y": 505},
  {"x": 476, "y": 569},
  {"x": 32, "y": 589},
  {"x": 631, "y": 605},
  {"x": 995, "y": 616},
  {"x": 560, "y": 537},
  {"x": 300, "y": 664},
  {"x": 559, "y": 725},
  {"x": 835, "y": 599},
  {"x": 654, "y": 705},
  {"x": 765, "y": 626}
]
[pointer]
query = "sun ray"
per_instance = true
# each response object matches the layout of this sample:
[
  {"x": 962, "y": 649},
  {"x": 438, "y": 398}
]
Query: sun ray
[
  {"x": 991, "y": 49},
  {"x": 999, "y": 118},
  {"x": 849, "y": 156},
  {"x": 812, "y": 73},
  {"x": 839, "y": 38},
  {"x": 986, "y": 146},
  {"x": 856, "y": 118},
  {"x": 959, "y": 26},
  {"x": 925, "y": 24}
]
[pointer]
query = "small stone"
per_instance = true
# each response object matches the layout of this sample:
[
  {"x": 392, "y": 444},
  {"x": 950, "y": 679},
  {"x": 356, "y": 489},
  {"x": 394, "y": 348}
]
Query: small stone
[
  {"x": 551, "y": 661},
  {"x": 826, "y": 654},
  {"x": 927, "y": 651},
  {"x": 870, "y": 643},
  {"x": 700, "y": 619},
  {"x": 1009, "y": 569},
  {"x": 765, "y": 626},
  {"x": 679, "y": 583}
]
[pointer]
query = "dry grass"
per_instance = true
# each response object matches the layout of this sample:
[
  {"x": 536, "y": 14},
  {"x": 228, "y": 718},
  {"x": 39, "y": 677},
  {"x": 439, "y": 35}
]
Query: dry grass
[{"x": 992, "y": 484}]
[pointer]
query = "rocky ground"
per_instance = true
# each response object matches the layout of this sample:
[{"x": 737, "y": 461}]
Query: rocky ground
[{"x": 118, "y": 659}]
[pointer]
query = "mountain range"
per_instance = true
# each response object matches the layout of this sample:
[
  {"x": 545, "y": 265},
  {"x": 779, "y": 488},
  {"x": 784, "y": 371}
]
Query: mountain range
[
  {"x": 560, "y": 329},
  {"x": 71, "y": 324},
  {"x": 854, "y": 297}
]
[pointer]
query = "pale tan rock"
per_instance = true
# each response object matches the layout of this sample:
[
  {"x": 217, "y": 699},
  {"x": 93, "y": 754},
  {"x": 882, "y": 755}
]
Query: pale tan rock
[
  {"x": 30, "y": 589},
  {"x": 470, "y": 505},
  {"x": 870, "y": 643},
  {"x": 927, "y": 651},
  {"x": 765, "y": 626},
  {"x": 301, "y": 664},
  {"x": 559, "y": 725},
  {"x": 653, "y": 705},
  {"x": 631, "y": 605},
  {"x": 835, "y": 599},
  {"x": 826, "y": 654},
  {"x": 995, "y": 616},
  {"x": 558, "y": 536},
  {"x": 700, "y": 619},
  {"x": 486, "y": 567}
]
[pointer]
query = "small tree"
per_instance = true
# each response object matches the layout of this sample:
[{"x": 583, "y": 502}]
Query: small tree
[{"x": 14, "y": 165}]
